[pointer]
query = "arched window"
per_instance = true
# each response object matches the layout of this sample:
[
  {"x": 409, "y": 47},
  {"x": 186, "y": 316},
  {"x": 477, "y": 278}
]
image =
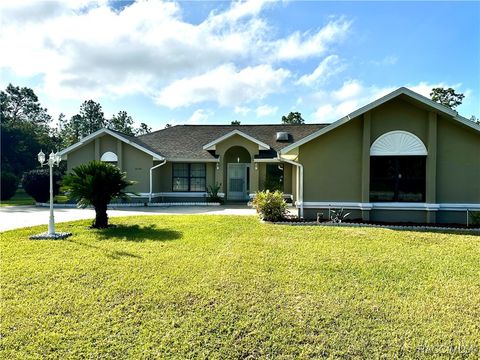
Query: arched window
[
  {"x": 397, "y": 168},
  {"x": 109, "y": 157}
]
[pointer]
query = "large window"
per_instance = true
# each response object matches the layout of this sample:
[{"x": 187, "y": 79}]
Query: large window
[
  {"x": 397, "y": 178},
  {"x": 189, "y": 177}
]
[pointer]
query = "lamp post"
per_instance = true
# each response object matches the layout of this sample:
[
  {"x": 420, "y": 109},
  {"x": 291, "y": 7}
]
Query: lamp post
[{"x": 53, "y": 159}]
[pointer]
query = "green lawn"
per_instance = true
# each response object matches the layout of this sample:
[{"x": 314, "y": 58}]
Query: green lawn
[
  {"x": 20, "y": 198},
  {"x": 232, "y": 287}
]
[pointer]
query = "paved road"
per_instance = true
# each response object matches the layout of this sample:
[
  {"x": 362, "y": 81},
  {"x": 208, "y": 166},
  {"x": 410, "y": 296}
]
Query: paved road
[{"x": 14, "y": 217}]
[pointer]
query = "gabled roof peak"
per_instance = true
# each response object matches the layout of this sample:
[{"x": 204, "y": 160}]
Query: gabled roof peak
[{"x": 400, "y": 91}]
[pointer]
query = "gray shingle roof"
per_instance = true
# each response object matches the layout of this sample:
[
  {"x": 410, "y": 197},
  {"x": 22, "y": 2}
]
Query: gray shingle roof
[{"x": 187, "y": 141}]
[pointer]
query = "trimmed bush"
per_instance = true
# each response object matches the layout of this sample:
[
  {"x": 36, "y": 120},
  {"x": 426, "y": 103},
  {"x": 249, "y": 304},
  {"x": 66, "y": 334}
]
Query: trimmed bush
[
  {"x": 270, "y": 205},
  {"x": 9, "y": 183},
  {"x": 212, "y": 193},
  {"x": 37, "y": 184}
]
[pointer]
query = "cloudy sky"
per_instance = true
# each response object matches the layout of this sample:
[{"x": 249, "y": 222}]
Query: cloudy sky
[{"x": 213, "y": 62}]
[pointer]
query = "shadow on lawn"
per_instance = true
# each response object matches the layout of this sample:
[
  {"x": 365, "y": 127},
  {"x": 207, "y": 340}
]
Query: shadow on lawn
[
  {"x": 112, "y": 254},
  {"x": 138, "y": 233}
]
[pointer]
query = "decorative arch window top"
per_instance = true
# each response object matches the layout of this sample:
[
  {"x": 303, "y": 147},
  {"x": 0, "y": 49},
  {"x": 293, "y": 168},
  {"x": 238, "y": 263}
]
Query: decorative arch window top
[
  {"x": 398, "y": 143},
  {"x": 109, "y": 157}
]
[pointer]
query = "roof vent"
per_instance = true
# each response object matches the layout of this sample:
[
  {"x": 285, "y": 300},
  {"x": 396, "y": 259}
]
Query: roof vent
[{"x": 282, "y": 136}]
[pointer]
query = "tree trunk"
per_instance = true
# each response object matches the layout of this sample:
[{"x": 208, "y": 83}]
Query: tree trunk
[{"x": 101, "y": 217}]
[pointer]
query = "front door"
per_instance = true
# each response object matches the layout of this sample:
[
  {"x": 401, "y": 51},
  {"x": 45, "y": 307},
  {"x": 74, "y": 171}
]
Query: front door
[{"x": 237, "y": 181}]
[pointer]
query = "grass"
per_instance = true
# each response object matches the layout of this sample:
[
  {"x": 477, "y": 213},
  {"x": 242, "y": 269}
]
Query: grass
[
  {"x": 22, "y": 198},
  {"x": 231, "y": 287}
]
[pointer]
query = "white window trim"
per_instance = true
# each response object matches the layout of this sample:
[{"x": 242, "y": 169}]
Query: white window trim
[
  {"x": 398, "y": 143},
  {"x": 109, "y": 156}
]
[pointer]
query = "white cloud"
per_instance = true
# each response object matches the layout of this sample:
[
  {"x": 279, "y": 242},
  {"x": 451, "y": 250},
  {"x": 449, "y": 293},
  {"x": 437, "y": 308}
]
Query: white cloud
[
  {"x": 328, "y": 67},
  {"x": 87, "y": 49},
  {"x": 424, "y": 88},
  {"x": 352, "y": 95},
  {"x": 333, "y": 105},
  {"x": 303, "y": 45},
  {"x": 198, "y": 116},
  {"x": 242, "y": 110},
  {"x": 224, "y": 85},
  {"x": 266, "y": 110}
]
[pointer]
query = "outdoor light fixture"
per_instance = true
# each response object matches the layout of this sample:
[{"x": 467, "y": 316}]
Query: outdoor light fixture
[
  {"x": 238, "y": 159},
  {"x": 53, "y": 159},
  {"x": 218, "y": 163},
  {"x": 256, "y": 166}
]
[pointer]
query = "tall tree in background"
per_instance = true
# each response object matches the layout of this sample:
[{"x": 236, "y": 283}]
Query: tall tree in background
[
  {"x": 235, "y": 122},
  {"x": 122, "y": 122},
  {"x": 89, "y": 119},
  {"x": 447, "y": 97},
  {"x": 24, "y": 129},
  {"x": 93, "y": 118},
  {"x": 20, "y": 105},
  {"x": 294, "y": 118},
  {"x": 143, "y": 129}
]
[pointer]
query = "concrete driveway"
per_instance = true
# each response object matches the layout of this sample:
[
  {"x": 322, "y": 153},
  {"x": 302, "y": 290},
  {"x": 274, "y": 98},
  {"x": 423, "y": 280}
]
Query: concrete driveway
[{"x": 15, "y": 217}]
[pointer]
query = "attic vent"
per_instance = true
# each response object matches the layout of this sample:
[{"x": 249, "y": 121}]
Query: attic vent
[{"x": 282, "y": 136}]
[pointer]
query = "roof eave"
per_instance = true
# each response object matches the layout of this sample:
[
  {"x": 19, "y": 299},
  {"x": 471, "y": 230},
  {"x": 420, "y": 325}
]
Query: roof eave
[
  {"x": 102, "y": 131},
  {"x": 212, "y": 145},
  {"x": 403, "y": 90}
]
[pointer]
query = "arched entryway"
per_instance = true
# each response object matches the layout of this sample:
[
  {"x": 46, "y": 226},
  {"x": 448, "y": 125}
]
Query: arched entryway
[{"x": 237, "y": 161}]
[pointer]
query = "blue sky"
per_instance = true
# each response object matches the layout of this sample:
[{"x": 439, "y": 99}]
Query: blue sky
[{"x": 214, "y": 62}]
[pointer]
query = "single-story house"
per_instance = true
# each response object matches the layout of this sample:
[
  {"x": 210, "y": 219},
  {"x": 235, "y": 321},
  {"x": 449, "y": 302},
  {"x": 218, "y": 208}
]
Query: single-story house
[{"x": 401, "y": 158}]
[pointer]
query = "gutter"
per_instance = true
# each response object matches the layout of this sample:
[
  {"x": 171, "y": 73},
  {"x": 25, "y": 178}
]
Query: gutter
[
  {"x": 299, "y": 183},
  {"x": 151, "y": 177}
]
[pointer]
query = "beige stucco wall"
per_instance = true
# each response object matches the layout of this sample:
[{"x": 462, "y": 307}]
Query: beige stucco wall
[
  {"x": 398, "y": 114},
  {"x": 332, "y": 164},
  {"x": 458, "y": 163},
  {"x": 81, "y": 155},
  {"x": 108, "y": 143},
  {"x": 162, "y": 177},
  {"x": 137, "y": 165}
]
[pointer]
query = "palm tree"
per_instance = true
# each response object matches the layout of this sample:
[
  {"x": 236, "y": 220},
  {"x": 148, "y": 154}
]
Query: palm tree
[{"x": 96, "y": 183}]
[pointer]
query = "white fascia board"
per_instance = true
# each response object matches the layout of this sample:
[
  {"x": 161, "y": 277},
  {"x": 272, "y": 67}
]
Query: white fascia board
[
  {"x": 272, "y": 160},
  {"x": 211, "y": 145},
  {"x": 403, "y": 90},
  {"x": 102, "y": 131}
]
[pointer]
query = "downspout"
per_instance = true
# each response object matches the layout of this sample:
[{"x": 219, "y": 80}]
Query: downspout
[
  {"x": 299, "y": 183},
  {"x": 151, "y": 179}
]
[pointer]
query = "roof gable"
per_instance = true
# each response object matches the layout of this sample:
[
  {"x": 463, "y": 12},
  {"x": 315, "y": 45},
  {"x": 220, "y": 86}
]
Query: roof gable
[
  {"x": 400, "y": 91},
  {"x": 126, "y": 139},
  {"x": 211, "y": 145}
]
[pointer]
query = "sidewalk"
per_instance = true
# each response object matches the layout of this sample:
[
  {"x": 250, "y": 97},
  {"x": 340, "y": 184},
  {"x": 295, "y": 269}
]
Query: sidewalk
[{"x": 15, "y": 217}]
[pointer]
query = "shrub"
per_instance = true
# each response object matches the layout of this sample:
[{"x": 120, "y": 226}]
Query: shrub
[
  {"x": 270, "y": 205},
  {"x": 96, "y": 183},
  {"x": 475, "y": 217},
  {"x": 212, "y": 193},
  {"x": 37, "y": 184},
  {"x": 9, "y": 184}
]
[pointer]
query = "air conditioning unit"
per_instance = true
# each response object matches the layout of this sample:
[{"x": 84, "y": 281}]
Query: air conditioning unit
[{"x": 282, "y": 136}]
